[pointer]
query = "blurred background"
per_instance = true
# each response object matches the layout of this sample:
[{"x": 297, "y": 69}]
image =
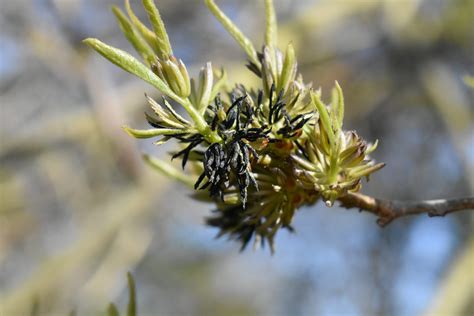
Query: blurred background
[{"x": 79, "y": 208}]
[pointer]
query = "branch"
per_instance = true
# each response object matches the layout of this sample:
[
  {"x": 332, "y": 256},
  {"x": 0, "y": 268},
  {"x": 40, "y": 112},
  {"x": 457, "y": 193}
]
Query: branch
[{"x": 387, "y": 210}]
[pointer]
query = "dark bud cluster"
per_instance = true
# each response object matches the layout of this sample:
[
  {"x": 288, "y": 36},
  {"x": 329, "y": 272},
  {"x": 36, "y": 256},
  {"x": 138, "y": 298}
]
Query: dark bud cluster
[
  {"x": 291, "y": 125},
  {"x": 242, "y": 123},
  {"x": 229, "y": 163},
  {"x": 194, "y": 140}
]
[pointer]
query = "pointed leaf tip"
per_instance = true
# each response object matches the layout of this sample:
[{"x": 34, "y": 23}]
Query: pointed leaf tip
[
  {"x": 112, "y": 310},
  {"x": 271, "y": 24},
  {"x": 162, "y": 40},
  {"x": 133, "y": 36},
  {"x": 130, "y": 64},
  {"x": 132, "y": 305}
]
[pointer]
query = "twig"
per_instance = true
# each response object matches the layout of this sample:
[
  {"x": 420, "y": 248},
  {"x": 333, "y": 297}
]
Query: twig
[{"x": 387, "y": 210}]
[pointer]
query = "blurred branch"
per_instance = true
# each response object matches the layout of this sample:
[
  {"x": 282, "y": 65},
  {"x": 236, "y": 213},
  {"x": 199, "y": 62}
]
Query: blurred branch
[
  {"x": 455, "y": 296},
  {"x": 110, "y": 115},
  {"x": 73, "y": 125},
  {"x": 454, "y": 109},
  {"x": 129, "y": 247},
  {"x": 73, "y": 264},
  {"x": 322, "y": 16},
  {"x": 389, "y": 210}
]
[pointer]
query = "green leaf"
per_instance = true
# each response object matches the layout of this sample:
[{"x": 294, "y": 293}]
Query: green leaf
[
  {"x": 174, "y": 113},
  {"x": 140, "y": 45},
  {"x": 365, "y": 171},
  {"x": 234, "y": 31},
  {"x": 112, "y": 310},
  {"x": 132, "y": 305},
  {"x": 174, "y": 77},
  {"x": 163, "y": 41},
  {"x": 337, "y": 105},
  {"x": 147, "y": 34},
  {"x": 372, "y": 147},
  {"x": 206, "y": 79},
  {"x": 187, "y": 81},
  {"x": 289, "y": 68},
  {"x": 340, "y": 107},
  {"x": 304, "y": 163},
  {"x": 149, "y": 133},
  {"x": 324, "y": 117},
  {"x": 271, "y": 24},
  {"x": 128, "y": 63}
]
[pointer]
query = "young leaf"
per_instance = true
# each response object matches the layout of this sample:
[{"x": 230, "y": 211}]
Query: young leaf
[
  {"x": 174, "y": 77},
  {"x": 149, "y": 133},
  {"x": 112, "y": 310},
  {"x": 147, "y": 34},
  {"x": 271, "y": 24},
  {"x": 234, "y": 31},
  {"x": 163, "y": 42},
  {"x": 128, "y": 63},
  {"x": 289, "y": 69},
  {"x": 338, "y": 107},
  {"x": 323, "y": 116},
  {"x": 132, "y": 305},
  {"x": 205, "y": 81},
  {"x": 366, "y": 170},
  {"x": 140, "y": 45},
  {"x": 372, "y": 147},
  {"x": 187, "y": 81}
]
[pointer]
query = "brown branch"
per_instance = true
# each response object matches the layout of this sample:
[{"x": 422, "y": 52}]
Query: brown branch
[{"x": 387, "y": 210}]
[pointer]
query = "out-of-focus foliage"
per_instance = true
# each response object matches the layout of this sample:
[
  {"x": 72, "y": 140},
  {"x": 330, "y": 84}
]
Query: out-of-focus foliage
[
  {"x": 112, "y": 310},
  {"x": 78, "y": 210}
]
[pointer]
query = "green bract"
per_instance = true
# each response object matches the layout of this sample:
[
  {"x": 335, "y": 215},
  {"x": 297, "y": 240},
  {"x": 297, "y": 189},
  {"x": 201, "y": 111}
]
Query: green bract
[{"x": 259, "y": 153}]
